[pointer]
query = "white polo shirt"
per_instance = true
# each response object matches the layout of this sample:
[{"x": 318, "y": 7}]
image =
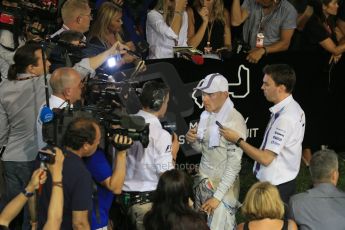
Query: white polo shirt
[
  {"x": 144, "y": 166},
  {"x": 283, "y": 136}
]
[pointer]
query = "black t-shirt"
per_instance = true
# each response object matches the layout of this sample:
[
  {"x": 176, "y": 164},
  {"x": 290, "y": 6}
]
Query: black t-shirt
[
  {"x": 315, "y": 32},
  {"x": 77, "y": 188},
  {"x": 217, "y": 32}
]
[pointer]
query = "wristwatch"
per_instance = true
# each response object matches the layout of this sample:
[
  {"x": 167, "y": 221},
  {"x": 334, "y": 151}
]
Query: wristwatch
[
  {"x": 238, "y": 141},
  {"x": 27, "y": 194}
]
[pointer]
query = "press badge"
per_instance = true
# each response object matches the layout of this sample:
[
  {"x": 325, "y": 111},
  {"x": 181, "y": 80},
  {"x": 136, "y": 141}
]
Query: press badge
[{"x": 260, "y": 40}]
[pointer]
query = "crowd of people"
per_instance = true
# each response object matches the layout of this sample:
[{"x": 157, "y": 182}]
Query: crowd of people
[{"x": 84, "y": 185}]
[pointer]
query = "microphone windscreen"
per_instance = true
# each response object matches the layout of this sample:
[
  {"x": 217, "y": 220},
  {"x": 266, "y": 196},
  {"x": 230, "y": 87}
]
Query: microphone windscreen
[
  {"x": 133, "y": 122},
  {"x": 46, "y": 115},
  {"x": 198, "y": 59}
]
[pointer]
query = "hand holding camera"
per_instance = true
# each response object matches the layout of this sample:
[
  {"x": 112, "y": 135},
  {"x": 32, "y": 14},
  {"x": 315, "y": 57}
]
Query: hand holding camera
[
  {"x": 122, "y": 142},
  {"x": 55, "y": 169},
  {"x": 39, "y": 177}
]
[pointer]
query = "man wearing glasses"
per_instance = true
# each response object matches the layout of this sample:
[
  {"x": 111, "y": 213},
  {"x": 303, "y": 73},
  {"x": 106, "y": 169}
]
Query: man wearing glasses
[{"x": 76, "y": 15}]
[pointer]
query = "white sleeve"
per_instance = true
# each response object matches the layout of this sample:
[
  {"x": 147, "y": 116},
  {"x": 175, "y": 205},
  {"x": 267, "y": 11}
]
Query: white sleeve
[
  {"x": 279, "y": 134},
  {"x": 231, "y": 171},
  {"x": 156, "y": 21},
  {"x": 84, "y": 68},
  {"x": 163, "y": 158}
]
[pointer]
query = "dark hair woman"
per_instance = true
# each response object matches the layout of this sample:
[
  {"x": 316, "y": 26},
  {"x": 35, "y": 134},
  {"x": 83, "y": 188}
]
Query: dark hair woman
[
  {"x": 171, "y": 207},
  {"x": 321, "y": 32}
]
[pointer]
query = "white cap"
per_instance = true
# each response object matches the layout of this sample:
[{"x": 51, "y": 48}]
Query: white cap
[{"x": 214, "y": 82}]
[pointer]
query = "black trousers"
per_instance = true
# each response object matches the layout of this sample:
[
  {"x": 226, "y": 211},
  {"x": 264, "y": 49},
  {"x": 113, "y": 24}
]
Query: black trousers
[{"x": 286, "y": 190}]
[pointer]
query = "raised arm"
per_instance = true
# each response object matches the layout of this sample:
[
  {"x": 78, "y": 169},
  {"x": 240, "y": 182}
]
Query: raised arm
[
  {"x": 176, "y": 23},
  {"x": 55, "y": 209},
  {"x": 238, "y": 14},
  {"x": 195, "y": 37},
  {"x": 16, "y": 204},
  {"x": 115, "y": 182}
]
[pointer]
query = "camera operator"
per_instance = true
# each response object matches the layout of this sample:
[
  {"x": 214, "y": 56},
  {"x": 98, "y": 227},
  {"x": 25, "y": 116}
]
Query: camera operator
[
  {"x": 81, "y": 139},
  {"x": 67, "y": 88},
  {"x": 109, "y": 181},
  {"x": 68, "y": 50},
  {"x": 145, "y": 165},
  {"x": 76, "y": 15}
]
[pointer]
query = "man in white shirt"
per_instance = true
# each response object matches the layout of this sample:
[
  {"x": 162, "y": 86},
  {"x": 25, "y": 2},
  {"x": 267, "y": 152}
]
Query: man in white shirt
[
  {"x": 279, "y": 157},
  {"x": 164, "y": 29},
  {"x": 145, "y": 165},
  {"x": 66, "y": 84},
  {"x": 76, "y": 15},
  {"x": 217, "y": 188}
]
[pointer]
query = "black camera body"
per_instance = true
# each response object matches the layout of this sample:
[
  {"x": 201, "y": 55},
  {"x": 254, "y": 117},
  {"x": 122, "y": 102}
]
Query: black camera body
[
  {"x": 45, "y": 156},
  {"x": 142, "y": 135}
]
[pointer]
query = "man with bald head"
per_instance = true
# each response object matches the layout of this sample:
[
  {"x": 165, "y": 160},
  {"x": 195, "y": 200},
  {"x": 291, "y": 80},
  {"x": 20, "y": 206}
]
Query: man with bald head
[
  {"x": 76, "y": 15},
  {"x": 66, "y": 87}
]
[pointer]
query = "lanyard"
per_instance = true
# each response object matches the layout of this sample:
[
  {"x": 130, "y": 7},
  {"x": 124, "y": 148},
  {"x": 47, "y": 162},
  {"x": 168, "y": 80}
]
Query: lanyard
[{"x": 264, "y": 20}]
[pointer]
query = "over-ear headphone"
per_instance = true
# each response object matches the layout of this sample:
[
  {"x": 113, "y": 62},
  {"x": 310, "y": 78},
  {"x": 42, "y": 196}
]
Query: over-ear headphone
[
  {"x": 153, "y": 95},
  {"x": 158, "y": 96}
]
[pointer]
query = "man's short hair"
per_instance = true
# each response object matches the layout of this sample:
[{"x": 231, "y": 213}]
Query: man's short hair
[
  {"x": 61, "y": 79},
  {"x": 153, "y": 95},
  {"x": 263, "y": 201},
  {"x": 322, "y": 164},
  {"x": 80, "y": 131},
  {"x": 71, "y": 8},
  {"x": 282, "y": 74},
  {"x": 70, "y": 36}
]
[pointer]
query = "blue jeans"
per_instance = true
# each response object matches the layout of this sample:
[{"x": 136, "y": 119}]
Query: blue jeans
[{"x": 17, "y": 175}]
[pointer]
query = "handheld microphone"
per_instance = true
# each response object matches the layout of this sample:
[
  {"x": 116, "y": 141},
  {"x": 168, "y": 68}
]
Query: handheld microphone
[{"x": 46, "y": 115}]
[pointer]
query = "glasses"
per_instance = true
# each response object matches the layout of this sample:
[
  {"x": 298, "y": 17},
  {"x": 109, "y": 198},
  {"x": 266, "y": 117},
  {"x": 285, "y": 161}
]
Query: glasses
[{"x": 89, "y": 15}]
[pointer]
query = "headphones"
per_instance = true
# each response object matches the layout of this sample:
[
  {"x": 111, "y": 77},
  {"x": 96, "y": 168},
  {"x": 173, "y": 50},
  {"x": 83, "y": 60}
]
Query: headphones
[
  {"x": 153, "y": 95},
  {"x": 158, "y": 97}
]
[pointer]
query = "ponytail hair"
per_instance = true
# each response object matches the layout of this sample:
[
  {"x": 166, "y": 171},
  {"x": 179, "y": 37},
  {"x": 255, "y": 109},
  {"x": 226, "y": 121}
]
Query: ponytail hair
[{"x": 23, "y": 57}]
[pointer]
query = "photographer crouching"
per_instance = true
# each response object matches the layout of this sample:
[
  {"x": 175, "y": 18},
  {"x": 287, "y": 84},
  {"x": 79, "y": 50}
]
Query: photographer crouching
[{"x": 81, "y": 140}]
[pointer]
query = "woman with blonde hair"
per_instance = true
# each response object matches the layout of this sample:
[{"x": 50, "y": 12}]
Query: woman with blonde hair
[
  {"x": 106, "y": 30},
  {"x": 166, "y": 27},
  {"x": 208, "y": 25},
  {"x": 264, "y": 209}
]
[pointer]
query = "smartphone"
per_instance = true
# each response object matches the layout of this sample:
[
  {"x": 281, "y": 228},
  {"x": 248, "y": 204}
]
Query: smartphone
[{"x": 219, "y": 124}]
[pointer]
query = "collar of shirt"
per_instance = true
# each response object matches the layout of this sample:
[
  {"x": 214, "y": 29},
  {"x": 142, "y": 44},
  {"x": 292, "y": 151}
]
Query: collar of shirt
[
  {"x": 57, "y": 102},
  {"x": 24, "y": 76},
  {"x": 276, "y": 108},
  {"x": 150, "y": 118},
  {"x": 64, "y": 27}
]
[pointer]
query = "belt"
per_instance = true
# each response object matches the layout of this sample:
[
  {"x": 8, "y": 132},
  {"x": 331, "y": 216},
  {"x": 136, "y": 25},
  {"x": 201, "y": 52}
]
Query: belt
[{"x": 132, "y": 198}]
